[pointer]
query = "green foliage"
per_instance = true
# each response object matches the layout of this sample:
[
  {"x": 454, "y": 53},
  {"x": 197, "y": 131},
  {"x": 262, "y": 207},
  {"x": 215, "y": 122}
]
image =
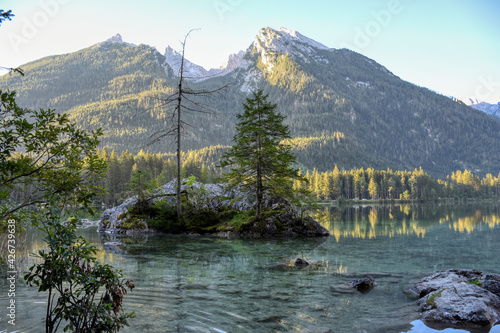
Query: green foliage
[
  {"x": 402, "y": 185},
  {"x": 432, "y": 299},
  {"x": 155, "y": 170},
  {"x": 475, "y": 282},
  {"x": 304, "y": 201},
  {"x": 163, "y": 216},
  {"x": 285, "y": 73},
  {"x": 83, "y": 294},
  {"x": 165, "y": 219},
  {"x": 139, "y": 184},
  {"x": 236, "y": 220},
  {"x": 132, "y": 223},
  {"x": 44, "y": 159},
  {"x": 329, "y": 185},
  {"x": 5, "y": 15},
  {"x": 260, "y": 161}
]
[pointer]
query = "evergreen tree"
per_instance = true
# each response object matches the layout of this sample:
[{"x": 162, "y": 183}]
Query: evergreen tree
[
  {"x": 326, "y": 186},
  {"x": 113, "y": 177},
  {"x": 316, "y": 183},
  {"x": 259, "y": 161},
  {"x": 373, "y": 188},
  {"x": 336, "y": 183}
]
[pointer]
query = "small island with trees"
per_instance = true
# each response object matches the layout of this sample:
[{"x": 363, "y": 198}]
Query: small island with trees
[{"x": 258, "y": 197}]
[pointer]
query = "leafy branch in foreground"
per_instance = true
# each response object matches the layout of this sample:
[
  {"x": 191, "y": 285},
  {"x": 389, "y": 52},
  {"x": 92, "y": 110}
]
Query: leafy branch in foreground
[
  {"x": 44, "y": 159},
  {"x": 74, "y": 280},
  {"x": 5, "y": 15}
]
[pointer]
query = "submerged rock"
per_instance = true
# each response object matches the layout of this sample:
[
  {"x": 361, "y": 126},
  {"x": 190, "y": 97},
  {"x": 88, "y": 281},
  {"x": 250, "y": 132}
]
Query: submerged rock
[
  {"x": 364, "y": 284},
  {"x": 301, "y": 263},
  {"x": 459, "y": 298},
  {"x": 295, "y": 264}
]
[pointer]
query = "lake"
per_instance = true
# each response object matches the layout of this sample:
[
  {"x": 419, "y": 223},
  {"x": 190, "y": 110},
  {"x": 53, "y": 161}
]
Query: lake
[{"x": 204, "y": 284}]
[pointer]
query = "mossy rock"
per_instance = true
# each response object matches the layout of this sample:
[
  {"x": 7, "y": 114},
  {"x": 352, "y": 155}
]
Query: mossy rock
[
  {"x": 432, "y": 299},
  {"x": 132, "y": 223},
  {"x": 475, "y": 282}
]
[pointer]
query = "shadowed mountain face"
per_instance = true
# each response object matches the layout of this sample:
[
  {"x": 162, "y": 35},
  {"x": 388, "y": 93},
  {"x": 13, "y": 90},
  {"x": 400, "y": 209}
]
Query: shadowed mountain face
[{"x": 386, "y": 121}]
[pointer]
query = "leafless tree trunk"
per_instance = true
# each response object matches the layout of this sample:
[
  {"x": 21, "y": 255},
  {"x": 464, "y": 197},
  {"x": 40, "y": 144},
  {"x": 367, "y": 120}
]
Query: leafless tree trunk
[{"x": 182, "y": 100}]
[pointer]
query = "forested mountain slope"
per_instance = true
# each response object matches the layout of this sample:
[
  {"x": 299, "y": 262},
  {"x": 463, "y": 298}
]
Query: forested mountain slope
[{"x": 385, "y": 121}]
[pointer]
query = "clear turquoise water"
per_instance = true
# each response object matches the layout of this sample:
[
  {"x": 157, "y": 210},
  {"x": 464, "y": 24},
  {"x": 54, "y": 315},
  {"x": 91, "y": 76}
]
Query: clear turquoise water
[{"x": 203, "y": 284}]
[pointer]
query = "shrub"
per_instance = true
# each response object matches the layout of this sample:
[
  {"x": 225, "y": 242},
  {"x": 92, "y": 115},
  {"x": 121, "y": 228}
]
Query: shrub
[{"x": 74, "y": 280}]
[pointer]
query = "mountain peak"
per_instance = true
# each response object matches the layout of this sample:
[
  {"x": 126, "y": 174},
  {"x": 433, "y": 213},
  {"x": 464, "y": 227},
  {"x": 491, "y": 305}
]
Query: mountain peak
[
  {"x": 191, "y": 70},
  {"x": 115, "y": 39},
  {"x": 169, "y": 51},
  {"x": 233, "y": 61},
  {"x": 286, "y": 41},
  {"x": 488, "y": 108},
  {"x": 306, "y": 40}
]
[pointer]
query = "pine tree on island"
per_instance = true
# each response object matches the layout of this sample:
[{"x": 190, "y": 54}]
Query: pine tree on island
[{"x": 260, "y": 161}]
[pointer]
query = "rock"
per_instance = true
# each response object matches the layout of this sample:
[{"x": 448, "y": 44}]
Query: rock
[
  {"x": 301, "y": 263},
  {"x": 493, "y": 286},
  {"x": 270, "y": 319},
  {"x": 459, "y": 305},
  {"x": 458, "y": 298},
  {"x": 442, "y": 278},
  {"x": 364, "y": 284},
  {"x": 83, "y": 223},
  {"x": 287, "y": 223},
  {"x": 493, "y": 277}
]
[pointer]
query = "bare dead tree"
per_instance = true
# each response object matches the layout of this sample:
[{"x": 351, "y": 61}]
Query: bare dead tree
[{"x": 183, "y": 100}]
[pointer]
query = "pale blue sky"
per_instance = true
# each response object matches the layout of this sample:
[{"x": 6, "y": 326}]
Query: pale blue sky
[{"x": 451, "y": 46}]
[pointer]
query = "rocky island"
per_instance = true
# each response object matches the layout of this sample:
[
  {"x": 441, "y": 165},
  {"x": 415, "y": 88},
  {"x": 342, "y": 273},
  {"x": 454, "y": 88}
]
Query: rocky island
[{"x": 208, "y": 209}]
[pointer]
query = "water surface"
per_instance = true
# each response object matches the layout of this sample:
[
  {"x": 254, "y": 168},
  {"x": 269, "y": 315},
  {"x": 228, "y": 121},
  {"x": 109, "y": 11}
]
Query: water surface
[{"x": 203, "y": 284}]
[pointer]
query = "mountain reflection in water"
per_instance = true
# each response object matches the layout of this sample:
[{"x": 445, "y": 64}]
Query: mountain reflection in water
[{"x": 206, "y": 284}]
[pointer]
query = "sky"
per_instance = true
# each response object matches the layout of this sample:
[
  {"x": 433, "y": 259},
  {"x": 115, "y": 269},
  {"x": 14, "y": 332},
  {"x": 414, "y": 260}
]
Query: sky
[{"x": 449, "y": 46}]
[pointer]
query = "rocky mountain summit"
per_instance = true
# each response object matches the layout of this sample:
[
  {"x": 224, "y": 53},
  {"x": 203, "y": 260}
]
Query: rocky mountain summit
[
  {"x": 268, "y": 42},
  {"x": 488, "y": 108}
]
